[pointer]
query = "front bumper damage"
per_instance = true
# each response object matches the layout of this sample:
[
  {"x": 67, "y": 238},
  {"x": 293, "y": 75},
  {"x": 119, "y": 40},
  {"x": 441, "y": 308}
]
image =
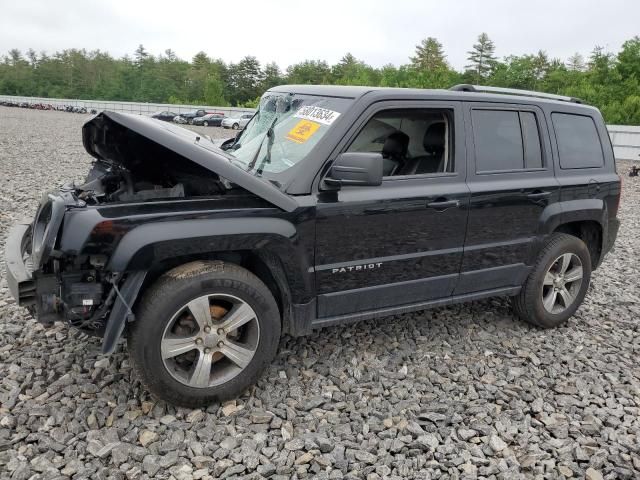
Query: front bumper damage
[
  {"x": 19, "y": 266},
  {"x": 31, "y": 244}
]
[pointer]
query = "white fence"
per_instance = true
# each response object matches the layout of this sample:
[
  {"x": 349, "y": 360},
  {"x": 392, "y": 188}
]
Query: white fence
[
  {"x": 625, "y": 139},
  {"x": 133, "y": 107}
]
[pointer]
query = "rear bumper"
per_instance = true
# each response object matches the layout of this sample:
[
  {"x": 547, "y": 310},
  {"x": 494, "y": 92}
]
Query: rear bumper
[{"x": 19, "y": 269}]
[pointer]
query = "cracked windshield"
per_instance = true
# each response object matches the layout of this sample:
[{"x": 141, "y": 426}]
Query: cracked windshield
[{"x": 284, "y": 130}]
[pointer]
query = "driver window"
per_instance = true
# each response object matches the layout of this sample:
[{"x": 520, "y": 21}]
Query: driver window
[{"x": 411, "y": 141}]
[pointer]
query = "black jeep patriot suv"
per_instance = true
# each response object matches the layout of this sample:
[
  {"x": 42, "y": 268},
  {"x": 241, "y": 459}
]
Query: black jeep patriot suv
[{"x": 334, "y": 204}]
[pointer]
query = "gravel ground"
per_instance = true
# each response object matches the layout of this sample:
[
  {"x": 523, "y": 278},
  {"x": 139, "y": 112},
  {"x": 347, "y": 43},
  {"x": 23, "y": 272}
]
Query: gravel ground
[{"x": 460, "y": 392}]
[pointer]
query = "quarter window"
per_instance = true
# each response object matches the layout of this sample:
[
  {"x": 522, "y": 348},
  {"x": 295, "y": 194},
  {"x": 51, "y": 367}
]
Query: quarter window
[
  {"x": 506, "y": 140},
  {"x": 578, "y": 141},
  {"x": 531, "y": 137}
]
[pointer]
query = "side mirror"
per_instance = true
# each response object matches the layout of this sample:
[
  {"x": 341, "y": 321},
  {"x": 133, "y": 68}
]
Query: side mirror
[
  {"x": 362, "y": 169},
  {"x": 230, "y": 143}
]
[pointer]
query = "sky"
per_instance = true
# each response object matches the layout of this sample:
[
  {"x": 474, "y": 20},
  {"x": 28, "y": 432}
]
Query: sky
[{"x": 289, "y": 31}]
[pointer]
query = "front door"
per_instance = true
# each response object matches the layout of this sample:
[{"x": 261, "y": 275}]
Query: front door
[{"x": 399, "y": 243}]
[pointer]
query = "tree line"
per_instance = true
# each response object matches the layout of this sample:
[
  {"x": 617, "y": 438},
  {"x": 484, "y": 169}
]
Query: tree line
[{"x": 610, "y": 81}]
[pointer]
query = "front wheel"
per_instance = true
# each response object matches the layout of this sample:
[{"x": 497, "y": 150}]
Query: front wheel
[
  {"x": 204, "y": 333},
  {"x": 235, "y": 126},
  {"x": 205, "y": 123},
  {"x": 557, "y": 284}
]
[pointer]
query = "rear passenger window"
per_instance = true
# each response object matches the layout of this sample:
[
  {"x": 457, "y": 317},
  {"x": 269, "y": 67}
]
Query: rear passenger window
[
  {"x": 506, "y": 140},
  {"x": 578, "y": 141}
]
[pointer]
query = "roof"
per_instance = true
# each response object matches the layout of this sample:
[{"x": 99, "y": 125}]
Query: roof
[{"x": 350, "y": 91}]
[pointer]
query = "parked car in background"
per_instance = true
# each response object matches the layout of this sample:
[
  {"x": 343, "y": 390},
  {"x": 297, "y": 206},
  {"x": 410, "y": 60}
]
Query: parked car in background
[
  {"x": 237, "y": 122},
  {"x": 165, "y": 116},
  {"x": 209, "y": 120},
  {"x": 201, "y": 112}
]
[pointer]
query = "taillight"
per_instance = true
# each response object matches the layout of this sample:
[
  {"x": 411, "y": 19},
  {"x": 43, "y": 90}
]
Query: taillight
[{"x": 619, "y": 192}]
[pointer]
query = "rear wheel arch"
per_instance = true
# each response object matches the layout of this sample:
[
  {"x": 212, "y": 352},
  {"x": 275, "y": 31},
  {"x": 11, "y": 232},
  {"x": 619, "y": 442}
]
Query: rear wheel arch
[
  {"x": 590, "y": 232},
  {"x": 583, "y": 219}
]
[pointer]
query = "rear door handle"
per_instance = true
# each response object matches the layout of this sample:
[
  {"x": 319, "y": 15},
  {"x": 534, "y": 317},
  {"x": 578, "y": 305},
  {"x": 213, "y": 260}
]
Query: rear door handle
[
  {"x": 538, "y": 195},
  {"x": 443, "y": 204}
]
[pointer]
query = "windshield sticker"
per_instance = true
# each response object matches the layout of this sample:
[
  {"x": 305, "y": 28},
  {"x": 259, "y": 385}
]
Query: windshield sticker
[
  {"x": 317, "y": 114},
  {"x": 302, "y": 131}
]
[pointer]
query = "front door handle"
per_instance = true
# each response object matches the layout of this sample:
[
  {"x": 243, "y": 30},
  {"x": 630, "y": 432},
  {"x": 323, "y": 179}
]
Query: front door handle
[
  {"x": 442, "y": 204},
  {"x": 538, "y": 195}
]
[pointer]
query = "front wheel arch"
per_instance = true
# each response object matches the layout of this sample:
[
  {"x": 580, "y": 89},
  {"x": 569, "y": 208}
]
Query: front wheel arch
[{"x": 264, "y": 265}]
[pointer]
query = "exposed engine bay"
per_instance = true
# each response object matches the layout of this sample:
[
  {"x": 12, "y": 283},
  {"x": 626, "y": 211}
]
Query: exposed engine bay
[
  {"x": 110, "y": 182},
  {"x": 131, "y": 168}
]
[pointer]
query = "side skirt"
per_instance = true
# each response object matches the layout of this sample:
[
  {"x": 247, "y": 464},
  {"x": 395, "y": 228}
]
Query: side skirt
[{"x": 388, "y": 311}]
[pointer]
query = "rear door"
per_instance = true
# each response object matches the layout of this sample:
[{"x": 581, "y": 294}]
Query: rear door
[{"x": 511, "y": 179}]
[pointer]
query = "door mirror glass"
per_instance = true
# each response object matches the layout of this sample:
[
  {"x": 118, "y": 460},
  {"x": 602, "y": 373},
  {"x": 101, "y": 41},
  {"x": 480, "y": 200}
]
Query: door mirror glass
[{"x": 356, "y": 169}]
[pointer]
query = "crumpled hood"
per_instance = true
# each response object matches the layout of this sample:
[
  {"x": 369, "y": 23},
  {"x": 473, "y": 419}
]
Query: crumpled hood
[{"x": 107, "y": 137}]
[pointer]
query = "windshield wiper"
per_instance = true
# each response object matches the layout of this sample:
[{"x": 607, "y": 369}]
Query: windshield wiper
[{"x": 267, "y": 159}]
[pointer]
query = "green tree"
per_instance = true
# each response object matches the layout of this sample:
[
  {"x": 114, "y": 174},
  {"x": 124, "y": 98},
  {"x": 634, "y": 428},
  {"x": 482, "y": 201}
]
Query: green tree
[
  {"x": 609, "y": 81},
  {"x": 272, "y": 76},
  {"x": 245, "y": 79},
  {"x": 141, "y": 54},
  {"x": 576, "y": 62},
  {"x": 214, "y": 92},
  {"x": 429, "y": 55},
  {"x": 309, "y": 72},
  {"x": 629, "y": 58},
  {"x": 482, "y": 58}
]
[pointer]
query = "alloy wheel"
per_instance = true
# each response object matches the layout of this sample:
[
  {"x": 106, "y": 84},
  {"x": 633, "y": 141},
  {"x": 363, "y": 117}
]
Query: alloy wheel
[
  {"x": 210, "y": 340},
  {"x": 562, "y": 282}
]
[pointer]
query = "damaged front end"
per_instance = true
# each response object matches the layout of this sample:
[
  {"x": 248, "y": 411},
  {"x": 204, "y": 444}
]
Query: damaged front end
[
  {"x": 58, "y": 263},
  {"x": 42, "y": 278}
]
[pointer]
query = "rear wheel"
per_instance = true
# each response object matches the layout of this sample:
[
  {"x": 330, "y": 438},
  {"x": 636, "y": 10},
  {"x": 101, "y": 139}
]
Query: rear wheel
[
  {"x": 204, "y": 333},
  {"x": 557, "y": 284}
]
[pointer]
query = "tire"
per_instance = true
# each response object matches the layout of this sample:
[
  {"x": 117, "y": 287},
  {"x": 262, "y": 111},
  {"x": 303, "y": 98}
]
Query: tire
[
  {"x": 163, "y": 341},
  {"x": 190, "y": 121},
  {"x": 556, "y": 272},
  {"x": 235, "y": 126},
  {"x": 205, "y": 123}
]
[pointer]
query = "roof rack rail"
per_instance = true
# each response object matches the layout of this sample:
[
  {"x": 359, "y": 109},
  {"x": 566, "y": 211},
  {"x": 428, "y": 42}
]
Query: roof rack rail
[{"x": 463, "y": 87}]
